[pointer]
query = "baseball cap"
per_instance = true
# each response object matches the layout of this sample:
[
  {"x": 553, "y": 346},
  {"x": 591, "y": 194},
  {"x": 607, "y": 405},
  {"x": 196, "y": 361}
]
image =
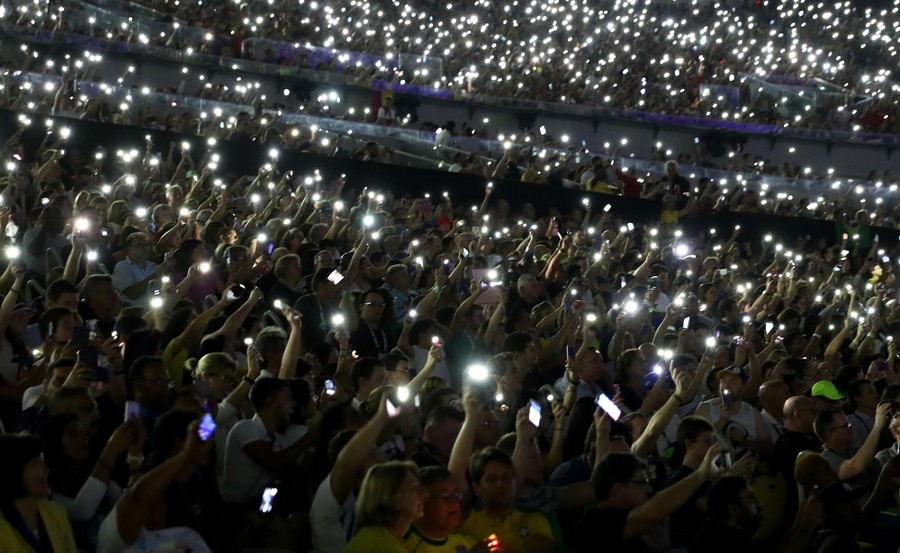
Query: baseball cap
[
  {"x": 733, "y": 370},
  {"x": 826, "y": 389}
]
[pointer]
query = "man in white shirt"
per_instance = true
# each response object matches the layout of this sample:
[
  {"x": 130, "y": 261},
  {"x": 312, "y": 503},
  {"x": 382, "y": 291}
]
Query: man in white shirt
[
  {"x": 732, "y": 417},
  {"x": 332, "y": 512},
  {"x": 132, "y": 275},
  {"x": 256, "y": 451}
]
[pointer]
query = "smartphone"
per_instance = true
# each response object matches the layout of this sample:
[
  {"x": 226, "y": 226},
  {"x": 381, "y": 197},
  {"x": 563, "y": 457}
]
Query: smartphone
[
  {"x": 392, "y": 410},
  {"x": 80, "y": 336},
  {"x": 329, "y": 387},
  {"x": 436, "y": 341},
  {"x": 769, "y": 327},
  {"x": 607, "y": 405},
  {"x": 727, "y": 399},
  {"x": 207, "y": 427},
  {"x": 570, "y": 351},
  {"x": 534, "y": 413},
  {"x": 132, "y": 409},
  {"x": 95, "y": 360},
  {"x": 268, "y": 495},
  {"x": 727, "y": 459},
  {"x": 335, "y": 277},
  {"x": 686, "y": 324}
]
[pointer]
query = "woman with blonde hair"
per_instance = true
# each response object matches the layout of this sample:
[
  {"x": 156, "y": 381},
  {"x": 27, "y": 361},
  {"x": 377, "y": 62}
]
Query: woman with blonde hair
[{"x": 389, "y": 502}]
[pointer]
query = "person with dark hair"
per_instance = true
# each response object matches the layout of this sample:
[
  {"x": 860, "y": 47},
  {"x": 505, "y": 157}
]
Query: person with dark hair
[
  {"x": 132, "y": 275},
  {"x": 29, "y": 521},
  {"x": 333, "y": 508},
  {"x": 79, "y": 480},
  {"x": 855, "y": 467},
  {"x": 625, "y": 514},
  {"x": 735, "y": 515},
  {"x": 367, "y": 374},
  {"x": 436, "y": 530},
  {"x": 151, "y": 389},
  {"x": 256, "y": 449},
  {"x": 318, "y": 308},
  {"x": 157, "y": 508},
  {"x": 100, "y": 302},
  {"x": 442, "y": 426},
  {"x": 862, "y": 400},
  {"x": 47, "y": 236},
  {"x": 494, "y": 483},
  {"x": 371, "y": 336}
]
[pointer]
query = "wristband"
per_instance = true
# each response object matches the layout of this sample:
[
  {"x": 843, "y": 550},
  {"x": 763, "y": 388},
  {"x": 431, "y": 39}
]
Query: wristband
[
  {"x": 817, "y": 335},
  {"x": 249, "y": 380}
]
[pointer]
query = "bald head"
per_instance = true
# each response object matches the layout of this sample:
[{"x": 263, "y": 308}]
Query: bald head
[
  {"x": 799, "y": 414},
  {"x": 773, "y": 395}
]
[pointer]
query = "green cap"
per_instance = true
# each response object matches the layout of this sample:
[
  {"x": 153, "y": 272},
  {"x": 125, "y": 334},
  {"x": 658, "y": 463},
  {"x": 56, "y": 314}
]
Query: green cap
[{"x": 826, "y": 389}]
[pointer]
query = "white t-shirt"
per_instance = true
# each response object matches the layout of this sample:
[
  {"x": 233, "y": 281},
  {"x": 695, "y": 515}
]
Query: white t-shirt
[
  {"x": 746, "y": 417},
  {"x": 226, "y": 418},
  {"x": 179, "y": 538},
  {"x": 332, "y": 523},
  {"x": 244, "y": 479}
]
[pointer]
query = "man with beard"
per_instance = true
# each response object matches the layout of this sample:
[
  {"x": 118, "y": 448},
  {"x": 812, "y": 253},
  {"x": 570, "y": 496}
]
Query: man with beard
[{"x": 257, "y": 450}]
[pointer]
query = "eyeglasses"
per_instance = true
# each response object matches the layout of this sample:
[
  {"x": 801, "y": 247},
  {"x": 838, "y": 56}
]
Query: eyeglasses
[
  {"x": 847, "y": 426},
  {"x": 450, "y": 497},
  {"x": 374, "y": 304},
  {"x": 644, "y": 482}
]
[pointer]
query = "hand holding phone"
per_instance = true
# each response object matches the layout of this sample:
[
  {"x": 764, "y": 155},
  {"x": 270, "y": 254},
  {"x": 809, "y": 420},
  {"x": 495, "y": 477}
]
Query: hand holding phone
[
  {"x": 608, "y": 406},
  {"x": 132, "y": 410},
  {"x": 268, "y": 495},
  {"x": 207, "y": 427},
  {"x": 534, "y": 413}
]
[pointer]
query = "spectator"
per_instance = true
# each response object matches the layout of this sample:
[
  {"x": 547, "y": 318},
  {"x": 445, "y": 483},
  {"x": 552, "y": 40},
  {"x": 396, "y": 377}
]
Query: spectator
[
  {"x": 133, "y": 275},
  {"x": 625, "y": 514},
  {"x": 853, "y": 467},
  {"x": 30, "y": 521},
  {"x": 256, "y": 451},
  {"x": 389, "y": 502},
  {"x": 441, "y": 515}
]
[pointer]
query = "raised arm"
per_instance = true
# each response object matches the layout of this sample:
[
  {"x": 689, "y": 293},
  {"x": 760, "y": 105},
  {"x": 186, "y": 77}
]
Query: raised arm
[
  {"x": 857, "y": 464},
  {"x": 135, "y": 506},
  {"x": 654, "y": 511},
  {"x": 351, "y": 460},
  {"x": 294, "y": 347}
]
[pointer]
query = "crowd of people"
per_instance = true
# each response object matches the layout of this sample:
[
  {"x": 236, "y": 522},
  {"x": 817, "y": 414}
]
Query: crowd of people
[
  {"x": 326, "y": 367},
  {"x": 532, "y": 157},
  {"x": 192, "y": 360},
  {"x": 743, "y": 61}
]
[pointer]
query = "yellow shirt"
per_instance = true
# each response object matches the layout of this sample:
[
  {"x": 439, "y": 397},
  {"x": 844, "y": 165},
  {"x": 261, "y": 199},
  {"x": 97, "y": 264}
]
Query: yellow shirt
[
  {"x": 55, "y": 521},
  {"x": 416, "y": 542},
  {"x": 174, "y": 365},
  {"x": 514, "y": 532},
  {"x": 375, "y": 539}
]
